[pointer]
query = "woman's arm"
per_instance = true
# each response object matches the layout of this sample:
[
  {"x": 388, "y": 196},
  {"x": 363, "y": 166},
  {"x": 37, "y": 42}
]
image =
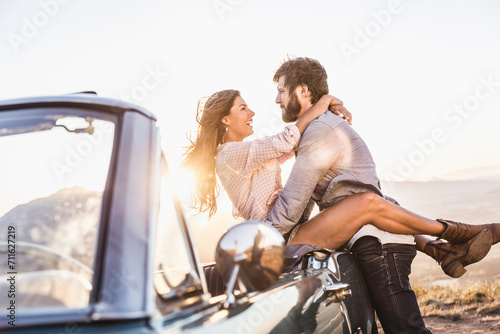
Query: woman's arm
[
  {"x": 318, "y": 109},
  {"x": 245, "y": 157}
]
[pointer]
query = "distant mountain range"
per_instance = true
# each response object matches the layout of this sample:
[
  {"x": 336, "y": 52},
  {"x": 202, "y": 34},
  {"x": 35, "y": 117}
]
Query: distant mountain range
[
  {"x": 66, "y": 221},
  {"x": 471, "y": 201},
  {"x": 485, "y": 173}
]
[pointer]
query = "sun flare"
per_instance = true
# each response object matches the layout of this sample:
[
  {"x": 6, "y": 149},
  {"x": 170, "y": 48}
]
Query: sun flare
[{"x": 181, "y": 183}]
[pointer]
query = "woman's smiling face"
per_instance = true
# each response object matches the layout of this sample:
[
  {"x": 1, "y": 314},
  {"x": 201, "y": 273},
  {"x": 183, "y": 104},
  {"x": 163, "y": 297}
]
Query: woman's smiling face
[{"x": 239, "y": 121}]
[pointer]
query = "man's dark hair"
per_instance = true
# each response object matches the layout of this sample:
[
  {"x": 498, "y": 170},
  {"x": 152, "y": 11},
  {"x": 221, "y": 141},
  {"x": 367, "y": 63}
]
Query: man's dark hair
[{"x": 304, "y": 71}]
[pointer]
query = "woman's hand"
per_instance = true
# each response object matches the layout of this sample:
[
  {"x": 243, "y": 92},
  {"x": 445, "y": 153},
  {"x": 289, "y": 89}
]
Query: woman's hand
[
  {"x": 325, "y": 103},
  {"x": 337, "y": 107}
]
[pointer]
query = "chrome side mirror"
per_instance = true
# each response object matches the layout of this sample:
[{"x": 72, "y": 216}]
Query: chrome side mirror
[{"x": 252, "y": 255}]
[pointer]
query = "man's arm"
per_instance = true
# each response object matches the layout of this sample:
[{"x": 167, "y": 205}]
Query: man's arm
[
  {"x": 308, "y": 210},
  {"x": 319, "y": 148}
]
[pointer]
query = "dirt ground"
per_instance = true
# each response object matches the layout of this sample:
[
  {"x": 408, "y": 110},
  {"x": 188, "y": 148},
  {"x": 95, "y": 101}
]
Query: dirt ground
[{"x": 470, "y": 323}]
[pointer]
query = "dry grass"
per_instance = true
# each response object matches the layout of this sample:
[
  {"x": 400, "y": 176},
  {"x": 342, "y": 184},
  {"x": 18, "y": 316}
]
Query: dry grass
[{"x": 454, "y": 301}]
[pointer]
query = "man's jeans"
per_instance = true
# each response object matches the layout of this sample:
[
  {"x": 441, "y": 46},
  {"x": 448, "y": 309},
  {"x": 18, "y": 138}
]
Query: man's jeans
[{"x": 386, "y": 269}]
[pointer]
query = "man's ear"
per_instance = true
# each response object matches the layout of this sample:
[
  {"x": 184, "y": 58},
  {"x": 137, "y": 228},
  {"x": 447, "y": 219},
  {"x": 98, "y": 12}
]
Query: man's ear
[
  {"x": 301, "y": 90},
  {"x": 304, "y": 91}
]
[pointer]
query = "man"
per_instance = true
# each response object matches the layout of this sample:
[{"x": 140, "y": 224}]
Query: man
[{"x": 332, "y": 163}]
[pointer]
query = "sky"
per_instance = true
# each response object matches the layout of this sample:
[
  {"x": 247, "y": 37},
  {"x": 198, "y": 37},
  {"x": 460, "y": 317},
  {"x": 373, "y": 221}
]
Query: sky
[{"x": 421, "y": 79}]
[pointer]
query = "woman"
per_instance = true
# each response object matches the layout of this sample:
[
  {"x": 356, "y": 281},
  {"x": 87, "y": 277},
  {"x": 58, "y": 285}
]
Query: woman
[{"x": 250, "y": 173}]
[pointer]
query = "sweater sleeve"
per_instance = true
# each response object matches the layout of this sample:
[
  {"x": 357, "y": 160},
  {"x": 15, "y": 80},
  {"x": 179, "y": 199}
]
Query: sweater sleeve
[{"x": 318, "y": 150}]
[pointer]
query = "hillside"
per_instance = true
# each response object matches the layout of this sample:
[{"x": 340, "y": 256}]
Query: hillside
[{"x": 59, "y": 221}]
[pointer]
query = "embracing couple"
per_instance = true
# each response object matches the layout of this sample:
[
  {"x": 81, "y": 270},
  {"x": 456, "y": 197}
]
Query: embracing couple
[{"x": 335, "y": 170}]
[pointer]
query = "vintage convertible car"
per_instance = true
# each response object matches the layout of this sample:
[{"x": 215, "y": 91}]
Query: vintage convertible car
[{"x": 92, "y": 240}]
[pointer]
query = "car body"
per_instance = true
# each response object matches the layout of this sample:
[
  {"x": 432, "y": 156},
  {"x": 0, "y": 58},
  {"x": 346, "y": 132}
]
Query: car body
[{"x": 93, "y": 241}]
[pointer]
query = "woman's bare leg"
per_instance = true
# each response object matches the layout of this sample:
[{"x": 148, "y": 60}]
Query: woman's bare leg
[{"x": 334, "y": 226}]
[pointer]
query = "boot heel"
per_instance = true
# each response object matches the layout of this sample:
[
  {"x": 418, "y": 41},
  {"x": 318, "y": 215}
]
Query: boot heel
[
  {"x": 454, "y": 257},
  {"x": 455, "y": 269},
  {"x": 479, "y": 246}
]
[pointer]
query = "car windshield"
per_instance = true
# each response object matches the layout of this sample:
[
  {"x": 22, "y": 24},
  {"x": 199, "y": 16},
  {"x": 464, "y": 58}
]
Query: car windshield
[
  {"x": 53, "y": 173},
  {"x": 174, "y": 275}
]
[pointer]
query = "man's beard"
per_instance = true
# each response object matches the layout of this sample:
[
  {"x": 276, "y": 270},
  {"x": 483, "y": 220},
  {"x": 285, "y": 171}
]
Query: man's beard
[{"x": 292, "y": 109}]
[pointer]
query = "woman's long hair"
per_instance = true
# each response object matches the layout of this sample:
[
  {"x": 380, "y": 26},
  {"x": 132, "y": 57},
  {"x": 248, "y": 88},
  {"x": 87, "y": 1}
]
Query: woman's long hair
[{"x": 200, "y": 154}]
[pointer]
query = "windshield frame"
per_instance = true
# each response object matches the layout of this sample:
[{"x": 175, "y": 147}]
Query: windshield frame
[
  {"x": 198, "y": 287},
  {"x": 38, "y": 316}
]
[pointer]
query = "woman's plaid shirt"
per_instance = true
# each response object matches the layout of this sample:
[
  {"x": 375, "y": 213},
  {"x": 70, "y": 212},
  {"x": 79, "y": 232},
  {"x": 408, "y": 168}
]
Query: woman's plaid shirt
[{"x": 250, "y": 172}]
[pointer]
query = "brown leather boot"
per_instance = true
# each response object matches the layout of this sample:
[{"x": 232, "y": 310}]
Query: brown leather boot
[
  {"x": 459, "y": 232},
  {"x": 454, "y": 257}
]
